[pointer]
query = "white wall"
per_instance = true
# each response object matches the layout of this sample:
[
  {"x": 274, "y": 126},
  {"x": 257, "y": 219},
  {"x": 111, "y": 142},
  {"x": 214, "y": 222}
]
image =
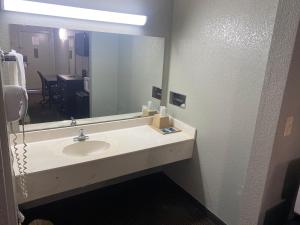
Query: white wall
[
  {"x": 141, "y": 67},
  {"x": 218, "y": 59},
  {"x": 123, "y": 70},
  {"x": 104, "y": 69}
]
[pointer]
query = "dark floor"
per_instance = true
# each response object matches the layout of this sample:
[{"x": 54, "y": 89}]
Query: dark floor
[
  {"x": 295, "y": 222},
  {"x": 39, "y": 113},
  {"x": 151, "y": 200}
]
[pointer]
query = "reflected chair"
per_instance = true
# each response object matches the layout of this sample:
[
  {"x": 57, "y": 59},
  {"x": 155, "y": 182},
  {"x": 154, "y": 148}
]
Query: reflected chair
[
  {"x": 44, "y": 89},
  {"x": 48, "y": 90}
]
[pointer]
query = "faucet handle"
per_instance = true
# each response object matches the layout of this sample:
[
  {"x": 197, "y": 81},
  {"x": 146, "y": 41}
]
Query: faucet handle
[
  {"x": 73, "y": 121},
  {"x": 81, "y": 132},
  {"x": 81, "y": 136}
]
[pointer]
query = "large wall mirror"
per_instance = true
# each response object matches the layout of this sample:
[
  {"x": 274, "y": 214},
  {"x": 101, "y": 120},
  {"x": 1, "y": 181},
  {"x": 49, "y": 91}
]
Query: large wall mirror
[{"x": 89, "y": 76}]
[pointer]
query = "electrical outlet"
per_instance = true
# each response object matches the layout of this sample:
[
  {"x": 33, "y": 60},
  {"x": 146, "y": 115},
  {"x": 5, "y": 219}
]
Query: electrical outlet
[
  {"x": 289, "y": 126},
  {"x": 156, "y": 93},
  {"x": 177, "y": 99}
]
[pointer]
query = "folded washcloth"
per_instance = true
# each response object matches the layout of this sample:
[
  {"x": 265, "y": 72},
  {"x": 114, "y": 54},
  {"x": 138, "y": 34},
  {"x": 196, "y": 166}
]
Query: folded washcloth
[{"x": 20, "y": 78}]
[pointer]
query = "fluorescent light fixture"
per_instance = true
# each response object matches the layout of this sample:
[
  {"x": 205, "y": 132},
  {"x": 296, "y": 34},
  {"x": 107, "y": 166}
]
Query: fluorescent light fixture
[{"x": 73, "y": 12}]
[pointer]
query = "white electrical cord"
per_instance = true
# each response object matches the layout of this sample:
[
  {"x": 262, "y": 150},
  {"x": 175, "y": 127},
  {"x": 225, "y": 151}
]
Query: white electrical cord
[
  {"x": 21, "y": 164},
  {"x": 21, "y": 160},
  {"x": 24, "y": 186}
]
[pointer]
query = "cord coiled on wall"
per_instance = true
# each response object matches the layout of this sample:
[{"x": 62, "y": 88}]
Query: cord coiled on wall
[
  {"x": 21, "y": 163},
  {"x": 17, "y": 155},
  {"x": 24, "y": 186}
]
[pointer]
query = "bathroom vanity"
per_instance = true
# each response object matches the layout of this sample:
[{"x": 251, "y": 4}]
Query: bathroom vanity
[{"x": 57, "y": 163}]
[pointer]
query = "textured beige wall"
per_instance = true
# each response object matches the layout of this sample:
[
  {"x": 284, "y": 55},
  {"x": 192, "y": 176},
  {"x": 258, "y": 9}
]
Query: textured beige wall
[
  {"x": 268, "y": 128},
  {"x": 7, "y": 186},
  {"x": 286, "y": 148},
  {"x": 218, "y": 59}
]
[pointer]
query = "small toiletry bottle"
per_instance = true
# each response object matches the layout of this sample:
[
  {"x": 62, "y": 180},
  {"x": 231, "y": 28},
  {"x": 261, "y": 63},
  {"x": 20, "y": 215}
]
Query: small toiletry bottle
[
  {"x": 149, "y": 111},
  {"x": 150, "y": 105},
  {"x": 144, "y": 110},
  {"x": 161, "y": 120},
  {"x": 163, "y": 111}
]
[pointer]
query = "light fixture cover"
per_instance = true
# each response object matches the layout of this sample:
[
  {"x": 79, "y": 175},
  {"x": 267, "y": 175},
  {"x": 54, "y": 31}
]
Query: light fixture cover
[{"x": 73, "y": 12}]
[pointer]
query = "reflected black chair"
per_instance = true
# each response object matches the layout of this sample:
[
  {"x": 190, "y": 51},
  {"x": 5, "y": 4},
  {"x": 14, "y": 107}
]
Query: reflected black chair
[{"x": 45, "y": 90}]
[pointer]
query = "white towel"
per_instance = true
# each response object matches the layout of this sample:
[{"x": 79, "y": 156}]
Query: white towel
[
  {"x": 16, "y": 70},
  {"x": 10, "y": 73}
]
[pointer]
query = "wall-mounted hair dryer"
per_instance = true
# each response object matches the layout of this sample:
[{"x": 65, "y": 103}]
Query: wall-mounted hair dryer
[
  {"x": 16, "y": 105},
  {"x": 16, "y": 102}
]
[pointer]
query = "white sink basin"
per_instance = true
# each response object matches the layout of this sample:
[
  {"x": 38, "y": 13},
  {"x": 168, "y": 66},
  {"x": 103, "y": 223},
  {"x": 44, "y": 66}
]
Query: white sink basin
[{"x": 86, "y": 148}]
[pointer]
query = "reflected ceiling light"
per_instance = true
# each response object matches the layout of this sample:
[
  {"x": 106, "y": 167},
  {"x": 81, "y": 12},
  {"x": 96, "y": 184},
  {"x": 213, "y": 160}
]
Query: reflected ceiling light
[
  {"x": 73, "y": 12},
  {"x": 63, "y": 34}
]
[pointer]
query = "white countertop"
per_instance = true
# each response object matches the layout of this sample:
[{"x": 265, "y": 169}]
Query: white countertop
[
  {"x": 134, "y": 146},
  {"x": 46, "y": 155}
]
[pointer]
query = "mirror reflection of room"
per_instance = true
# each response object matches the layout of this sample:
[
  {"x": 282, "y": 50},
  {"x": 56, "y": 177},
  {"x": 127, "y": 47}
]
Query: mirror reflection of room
[
  {"x": 81, "y": 74},
  {"x": 53, "y": 58}
]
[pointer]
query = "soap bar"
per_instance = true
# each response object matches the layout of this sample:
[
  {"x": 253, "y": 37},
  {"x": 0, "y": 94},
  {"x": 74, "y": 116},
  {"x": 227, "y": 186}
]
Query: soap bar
[
  {"x": 161, "y": 121},
  {"x": 170, "y": 130}
]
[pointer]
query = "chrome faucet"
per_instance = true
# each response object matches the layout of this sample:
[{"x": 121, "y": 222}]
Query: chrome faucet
[
  {"x": 73, "y": 122},
  {"x": 81, "y": 136}
]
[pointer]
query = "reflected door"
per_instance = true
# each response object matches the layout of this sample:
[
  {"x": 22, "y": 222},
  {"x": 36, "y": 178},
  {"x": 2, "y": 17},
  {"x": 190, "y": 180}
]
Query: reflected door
[{"x": 36, "y": 47}]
